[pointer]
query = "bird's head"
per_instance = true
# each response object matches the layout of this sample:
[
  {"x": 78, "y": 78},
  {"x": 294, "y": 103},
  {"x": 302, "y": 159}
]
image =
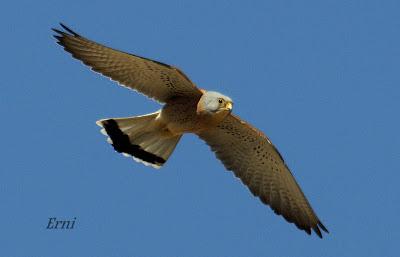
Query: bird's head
[{"x": 214, "y": 104}]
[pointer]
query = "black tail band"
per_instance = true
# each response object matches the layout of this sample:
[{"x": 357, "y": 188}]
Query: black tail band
[{"x": 122, "y": 144}]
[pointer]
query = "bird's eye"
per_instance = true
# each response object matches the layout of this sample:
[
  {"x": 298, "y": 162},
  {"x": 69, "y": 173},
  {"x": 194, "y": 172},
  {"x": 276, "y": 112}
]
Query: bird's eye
[{"x": 220, "y": 101}]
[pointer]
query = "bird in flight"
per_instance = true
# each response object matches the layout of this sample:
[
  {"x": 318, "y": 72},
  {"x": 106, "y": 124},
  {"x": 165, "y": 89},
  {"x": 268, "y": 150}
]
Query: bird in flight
[{"x": 151, "y": 138}]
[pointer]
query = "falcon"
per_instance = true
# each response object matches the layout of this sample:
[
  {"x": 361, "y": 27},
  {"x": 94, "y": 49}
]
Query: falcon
[{"x": 151, "y": 138}]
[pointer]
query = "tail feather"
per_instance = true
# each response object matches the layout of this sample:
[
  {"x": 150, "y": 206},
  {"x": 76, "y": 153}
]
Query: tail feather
[{"x": 140, "y": 137}]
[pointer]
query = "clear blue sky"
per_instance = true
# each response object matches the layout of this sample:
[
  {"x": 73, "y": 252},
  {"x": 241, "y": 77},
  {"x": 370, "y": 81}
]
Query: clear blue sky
[{"x": 320, "y": 78}]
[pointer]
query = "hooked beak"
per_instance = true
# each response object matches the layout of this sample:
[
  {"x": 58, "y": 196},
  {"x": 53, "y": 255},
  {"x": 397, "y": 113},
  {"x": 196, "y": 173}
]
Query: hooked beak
[{"x": 229, "y": 106}]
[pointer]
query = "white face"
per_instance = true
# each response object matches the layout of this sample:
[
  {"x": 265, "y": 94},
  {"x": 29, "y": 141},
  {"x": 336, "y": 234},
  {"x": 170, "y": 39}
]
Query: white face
[{"x": 214, "y": 102}]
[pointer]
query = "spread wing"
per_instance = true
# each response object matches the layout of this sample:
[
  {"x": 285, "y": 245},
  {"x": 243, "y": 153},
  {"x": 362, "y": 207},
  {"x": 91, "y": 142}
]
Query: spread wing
[
  {"x": 154, "y": 79},
  {"x": 254, "y": 159}
]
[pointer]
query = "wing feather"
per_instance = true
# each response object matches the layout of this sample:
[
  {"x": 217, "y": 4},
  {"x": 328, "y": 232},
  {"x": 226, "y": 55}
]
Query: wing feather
[
  {"x": 255, "y": 160},
  {"x": 157, "y": 80}
]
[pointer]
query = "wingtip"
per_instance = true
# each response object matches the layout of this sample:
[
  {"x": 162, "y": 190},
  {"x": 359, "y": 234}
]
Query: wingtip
[
  {"x": 69, "y": 30},
  {"x": 57, "y": 37},
  {"x": 317, "y": 231},
  {"x": 56, "y": 30},
  {"x": 59, "y": 34},
  {"x": 323, "y": 227},
  {"x": 318, "y": 227}
]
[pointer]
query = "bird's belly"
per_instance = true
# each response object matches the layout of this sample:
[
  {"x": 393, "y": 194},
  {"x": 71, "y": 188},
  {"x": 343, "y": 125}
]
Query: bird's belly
[
  {"x": 182, "y": 124},
  {"x": 180, "y": 119}
]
